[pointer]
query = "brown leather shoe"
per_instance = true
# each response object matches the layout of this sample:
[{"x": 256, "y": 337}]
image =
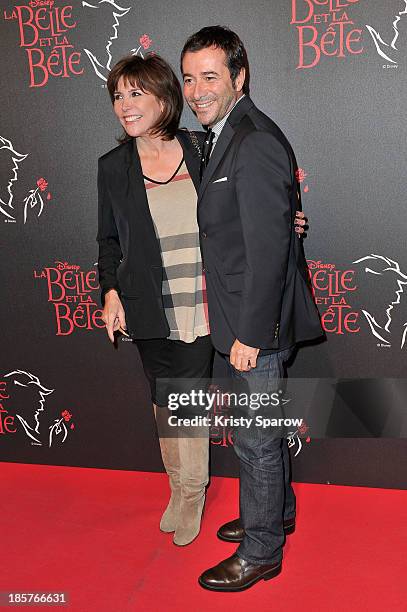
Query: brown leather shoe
[
  {"x": 234, "y": 532},
  {"x": 236, "y": 574}
]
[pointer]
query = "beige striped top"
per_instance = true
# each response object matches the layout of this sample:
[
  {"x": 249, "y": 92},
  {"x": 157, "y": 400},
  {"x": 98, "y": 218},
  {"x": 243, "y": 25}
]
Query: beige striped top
[{"x": 173, "y": 209}]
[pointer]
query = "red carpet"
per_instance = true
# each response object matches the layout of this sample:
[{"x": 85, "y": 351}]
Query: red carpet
[{"x": 94, "y": 533}]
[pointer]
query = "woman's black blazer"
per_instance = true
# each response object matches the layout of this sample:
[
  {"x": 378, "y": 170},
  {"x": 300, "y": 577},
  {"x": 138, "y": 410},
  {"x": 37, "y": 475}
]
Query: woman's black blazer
[{"x": 129, "y": 253}]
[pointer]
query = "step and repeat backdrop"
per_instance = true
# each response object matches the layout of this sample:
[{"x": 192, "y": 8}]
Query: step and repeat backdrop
[{"x": 332, "y": 74}]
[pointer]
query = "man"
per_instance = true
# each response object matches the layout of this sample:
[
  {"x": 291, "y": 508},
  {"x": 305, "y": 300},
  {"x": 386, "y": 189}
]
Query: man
[{"x": 259, "y": 301}]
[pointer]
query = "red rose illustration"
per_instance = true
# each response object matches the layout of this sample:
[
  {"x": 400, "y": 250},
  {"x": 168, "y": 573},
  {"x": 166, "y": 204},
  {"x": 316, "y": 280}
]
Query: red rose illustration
[
  {"x": 42, "y": 184},
  {"x": 303, "y": 428},
  {"x": 300, "y": 175},
  {"x": 66, "y": 415},
  {"x": 145, "y": 41}
]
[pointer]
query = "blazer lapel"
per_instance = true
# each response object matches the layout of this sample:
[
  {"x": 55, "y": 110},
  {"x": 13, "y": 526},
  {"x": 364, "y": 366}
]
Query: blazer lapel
[
  {"x": 222, "y": 144},
  {"x": 137, "y": 203},
  {"x": 135, "y": 187},
  {"x": 191, "y": 156}
]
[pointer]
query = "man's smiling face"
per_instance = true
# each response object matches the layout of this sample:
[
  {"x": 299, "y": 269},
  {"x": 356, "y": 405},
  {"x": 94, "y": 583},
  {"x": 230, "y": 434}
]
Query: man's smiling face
[{"x": 208, "y": 88}]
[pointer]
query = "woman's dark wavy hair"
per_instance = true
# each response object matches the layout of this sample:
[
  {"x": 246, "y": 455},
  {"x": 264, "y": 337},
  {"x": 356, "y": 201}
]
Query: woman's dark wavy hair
[
  {"x": 222, "y": 38},
  {"x": 153, "y": 75}
]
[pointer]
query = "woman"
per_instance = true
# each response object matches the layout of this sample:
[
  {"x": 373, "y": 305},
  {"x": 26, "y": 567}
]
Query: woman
[{"x": 150, "y": 267}]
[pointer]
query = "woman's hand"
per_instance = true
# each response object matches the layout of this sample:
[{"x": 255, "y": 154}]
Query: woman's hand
[
  {"x": 300, "y": 222},
  {"x": 113, "y": 313}
]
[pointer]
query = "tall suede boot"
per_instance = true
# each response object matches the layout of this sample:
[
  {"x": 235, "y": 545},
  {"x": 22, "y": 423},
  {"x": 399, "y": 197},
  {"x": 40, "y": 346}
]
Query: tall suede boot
[
  {"x": 171, "y": 459},
  {"x": 194, "y": 476}
]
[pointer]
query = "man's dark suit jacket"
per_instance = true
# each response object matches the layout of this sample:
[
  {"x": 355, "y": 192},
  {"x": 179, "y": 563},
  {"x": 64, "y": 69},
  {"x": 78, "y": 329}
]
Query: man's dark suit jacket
[
  {"x": 129, "y": 252},
  {"x": 256, "y": 273}
]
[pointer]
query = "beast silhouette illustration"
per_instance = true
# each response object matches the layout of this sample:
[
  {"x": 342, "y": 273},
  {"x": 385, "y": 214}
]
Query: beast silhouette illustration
[
  {"x": 101, "y": 60},
  {"x": 390, "y": 50},
  {"x": 10, "y": 161},
  {"x": 10, "y": 164},
  {"x": 28, "y": 396},
  {"x": 388, "y": 299}
]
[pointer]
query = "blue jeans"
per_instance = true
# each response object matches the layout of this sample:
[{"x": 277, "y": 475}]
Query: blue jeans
[{"x": 266, "y": 495}]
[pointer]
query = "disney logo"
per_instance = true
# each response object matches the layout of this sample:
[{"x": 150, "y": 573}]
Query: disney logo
[
  {"x": 319, "y": 265},
  {"x": 66, "y": 266},
  {"x": 35, "y": 3}
]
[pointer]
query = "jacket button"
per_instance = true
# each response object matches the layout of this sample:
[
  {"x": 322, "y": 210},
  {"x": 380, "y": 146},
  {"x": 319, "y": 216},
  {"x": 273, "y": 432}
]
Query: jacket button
[{"x": 204, "y": 234}]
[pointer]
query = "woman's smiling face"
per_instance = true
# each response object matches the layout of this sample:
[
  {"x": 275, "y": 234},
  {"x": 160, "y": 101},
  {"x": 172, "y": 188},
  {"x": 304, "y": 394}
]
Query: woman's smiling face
[{"x": 138, "y": 111}]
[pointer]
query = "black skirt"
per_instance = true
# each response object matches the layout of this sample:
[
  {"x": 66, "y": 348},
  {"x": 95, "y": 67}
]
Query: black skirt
[{"x": 175, "y": 361}]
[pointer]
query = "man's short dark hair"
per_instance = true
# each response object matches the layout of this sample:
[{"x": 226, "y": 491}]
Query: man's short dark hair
[
  {"x": 153, "y": 75},
  {"x": 222, "y": 38}
]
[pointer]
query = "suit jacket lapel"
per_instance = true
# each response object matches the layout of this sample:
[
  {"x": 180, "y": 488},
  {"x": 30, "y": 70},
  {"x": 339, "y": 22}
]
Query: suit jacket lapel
[
  {"x": 222, "y": 144},
  {"x": 224, "y": 139}
]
